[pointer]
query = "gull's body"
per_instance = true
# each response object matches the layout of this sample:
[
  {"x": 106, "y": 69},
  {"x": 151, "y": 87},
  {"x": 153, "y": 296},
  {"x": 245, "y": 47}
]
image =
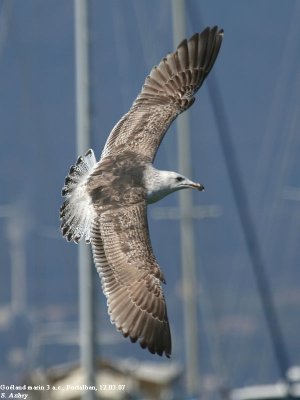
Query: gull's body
[{"x": 106, "y": 201}]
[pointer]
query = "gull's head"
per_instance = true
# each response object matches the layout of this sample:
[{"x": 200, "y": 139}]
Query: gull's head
[
  {"x": 161, "y": 183},
  {"x": 178, "y": 182}
]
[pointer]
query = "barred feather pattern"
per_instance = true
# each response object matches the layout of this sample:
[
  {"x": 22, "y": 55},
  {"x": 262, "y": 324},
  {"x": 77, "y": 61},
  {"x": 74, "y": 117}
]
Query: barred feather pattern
[
  {"x": 77, "y": 211},
  {"x": 167, "y": 91},
  {"x": 131, "y": 278},
  {"x": 105, "y": 202}
]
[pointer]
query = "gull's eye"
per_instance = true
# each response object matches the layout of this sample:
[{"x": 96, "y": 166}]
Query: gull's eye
[{"x": 179, "y": 178}]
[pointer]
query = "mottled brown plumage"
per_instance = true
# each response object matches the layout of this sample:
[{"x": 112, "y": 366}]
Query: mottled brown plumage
[
  {"x": 167, "y": 91},
  {"x": 106, "y": 202}
]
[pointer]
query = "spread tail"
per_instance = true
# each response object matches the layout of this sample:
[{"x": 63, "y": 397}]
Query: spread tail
[{"x": 76, "y": 213}]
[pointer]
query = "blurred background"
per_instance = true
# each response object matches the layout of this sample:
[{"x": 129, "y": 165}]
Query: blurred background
[{"x": 246, "y": 224}]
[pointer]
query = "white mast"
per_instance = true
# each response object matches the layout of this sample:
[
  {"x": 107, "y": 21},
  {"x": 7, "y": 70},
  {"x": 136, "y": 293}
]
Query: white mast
[{"x": 86, "y": 287}]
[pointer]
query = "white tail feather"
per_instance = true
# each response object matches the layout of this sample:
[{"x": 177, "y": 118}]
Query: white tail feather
[{"x": 77, "y": 213}]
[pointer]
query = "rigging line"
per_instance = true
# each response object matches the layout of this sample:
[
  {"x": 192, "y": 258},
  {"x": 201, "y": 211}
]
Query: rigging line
[
  {"x": 287, "y": 143},
  {"x": 153, "y": 52},
  {"x": 219, "y": 362},
  {"x": 278, "y": 205},
  {"x": 213, "y": 337},
  {"x": 280, "y": 147},
  {"x": 252, "y": 242},
  {"x": 120, "y": 30},
  {"x": 278, "y": 108},
  {"x": 5, "y": 18},
  {"x": 247, "y": 224}
]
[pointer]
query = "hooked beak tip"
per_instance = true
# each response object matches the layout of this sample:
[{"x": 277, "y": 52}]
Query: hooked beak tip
[{"x": 198, "y": 186}]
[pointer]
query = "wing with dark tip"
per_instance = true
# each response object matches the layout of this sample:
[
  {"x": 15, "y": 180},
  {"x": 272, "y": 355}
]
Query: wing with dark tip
[
  {"x": 167, "y": 91},
  {"x": 131, "y": 278}
]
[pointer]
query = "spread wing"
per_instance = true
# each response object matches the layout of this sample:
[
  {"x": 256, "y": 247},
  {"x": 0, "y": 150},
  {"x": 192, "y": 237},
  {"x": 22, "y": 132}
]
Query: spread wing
[
  {"x": 131, "y": 278},
  {"x": 167, "y": 91}
]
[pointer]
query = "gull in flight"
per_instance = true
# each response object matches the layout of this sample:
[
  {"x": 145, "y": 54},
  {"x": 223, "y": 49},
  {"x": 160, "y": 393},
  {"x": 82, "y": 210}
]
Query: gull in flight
[{"x": 106, "y": 201}]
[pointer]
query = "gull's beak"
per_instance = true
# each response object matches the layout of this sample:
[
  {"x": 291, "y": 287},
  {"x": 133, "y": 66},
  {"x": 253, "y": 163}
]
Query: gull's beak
[{"x": 197, "y": 186}]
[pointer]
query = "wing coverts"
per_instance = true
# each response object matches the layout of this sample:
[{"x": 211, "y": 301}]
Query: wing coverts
[{"x": 105, "y": 202}]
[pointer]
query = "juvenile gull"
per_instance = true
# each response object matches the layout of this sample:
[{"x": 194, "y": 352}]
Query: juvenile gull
[{"x": 106, "y": 201}]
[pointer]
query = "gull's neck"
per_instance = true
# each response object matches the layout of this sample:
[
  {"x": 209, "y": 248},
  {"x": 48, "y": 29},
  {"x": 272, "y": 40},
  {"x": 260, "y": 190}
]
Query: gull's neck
[{"x": 157, "y": 183}]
